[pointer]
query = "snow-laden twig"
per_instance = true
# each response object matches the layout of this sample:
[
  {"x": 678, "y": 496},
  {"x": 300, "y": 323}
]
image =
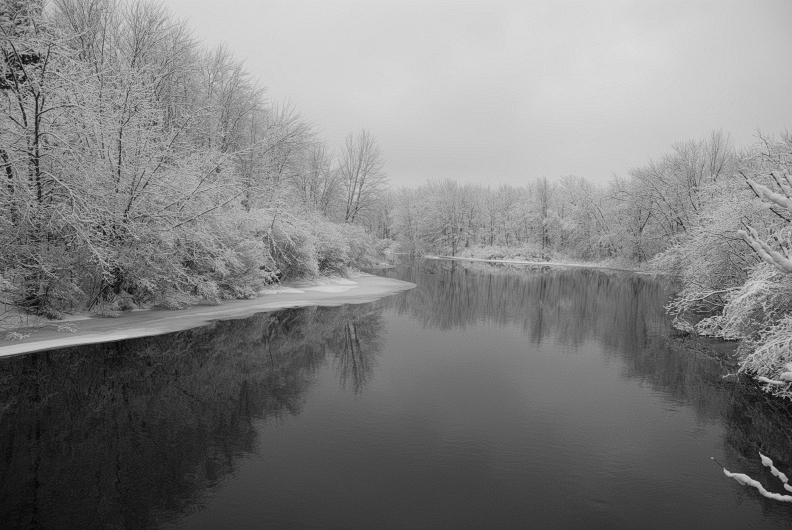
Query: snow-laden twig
[
  {"x": 765, "y": 251},
  {"x": 763, "y": 379},
  {"x": 767, "y": 462},
  {"x": 745, "y": 480},
  {"x": 766, "y": 193}
]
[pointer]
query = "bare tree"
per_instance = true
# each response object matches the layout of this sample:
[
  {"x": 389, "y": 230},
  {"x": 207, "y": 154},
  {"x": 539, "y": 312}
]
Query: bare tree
[
  {"x": 543, "y": 194},
  {"x": 406, "y": 220},
  {"x": 362, "y": 175},
  {"x": 316, "y": 184}
]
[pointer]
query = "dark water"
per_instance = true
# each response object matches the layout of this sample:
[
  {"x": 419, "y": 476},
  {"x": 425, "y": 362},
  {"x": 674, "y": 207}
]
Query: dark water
[{"x": 485, "y": 398}]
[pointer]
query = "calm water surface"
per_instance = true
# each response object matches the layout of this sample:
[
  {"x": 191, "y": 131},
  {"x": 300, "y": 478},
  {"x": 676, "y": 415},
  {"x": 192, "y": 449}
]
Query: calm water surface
[{"x": 487, "y": 397}]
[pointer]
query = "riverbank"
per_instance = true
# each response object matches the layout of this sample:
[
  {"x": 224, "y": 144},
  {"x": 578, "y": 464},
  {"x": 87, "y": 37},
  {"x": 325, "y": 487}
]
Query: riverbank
[
  {"x": 539, "y": 263},
  {"x": 155, "y": 321}
]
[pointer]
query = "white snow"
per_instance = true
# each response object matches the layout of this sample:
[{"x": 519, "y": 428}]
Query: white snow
[{"x": 159, "y": 321}]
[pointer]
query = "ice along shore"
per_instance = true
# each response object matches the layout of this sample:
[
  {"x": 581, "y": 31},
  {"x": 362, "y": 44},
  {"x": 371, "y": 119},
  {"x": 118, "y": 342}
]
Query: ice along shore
[{"x": 155, "y": 321}]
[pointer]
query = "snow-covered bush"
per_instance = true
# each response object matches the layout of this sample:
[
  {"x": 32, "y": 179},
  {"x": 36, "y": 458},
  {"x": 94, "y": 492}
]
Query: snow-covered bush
[
  {"x": 754, "y": 306},
  {"x": 332, "y": 248},
  {"x": 293, "y": 248},
  {"x": 363, "y": 248},
  {"x": 771, "y": 357},
  {"x": 342, "y": 245},
  {"x": 759, "y": 304}
]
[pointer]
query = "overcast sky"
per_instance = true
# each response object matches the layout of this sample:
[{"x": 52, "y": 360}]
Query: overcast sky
[{"x": 498, "y": 92}]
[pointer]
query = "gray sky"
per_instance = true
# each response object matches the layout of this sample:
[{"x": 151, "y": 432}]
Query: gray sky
[{"x": 498, "y": 92}]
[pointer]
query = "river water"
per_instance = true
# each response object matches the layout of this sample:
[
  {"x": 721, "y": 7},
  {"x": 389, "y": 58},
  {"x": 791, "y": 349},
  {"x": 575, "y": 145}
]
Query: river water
[{"x": 487, "y": 397}]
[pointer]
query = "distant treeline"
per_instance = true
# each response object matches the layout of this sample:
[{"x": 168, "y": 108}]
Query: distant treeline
[{"x": 631, "y": 219}]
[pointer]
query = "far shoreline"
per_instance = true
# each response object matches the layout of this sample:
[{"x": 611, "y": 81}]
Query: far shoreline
[
  {"x": 151, "y": 322},
  {"x": 537, "y": 263}
]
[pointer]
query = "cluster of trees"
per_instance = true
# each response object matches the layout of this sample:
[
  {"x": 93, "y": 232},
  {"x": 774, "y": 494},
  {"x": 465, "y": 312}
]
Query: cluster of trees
[
  {"x": 139, "y": 166},
  {"x": 734, "y": 263}
]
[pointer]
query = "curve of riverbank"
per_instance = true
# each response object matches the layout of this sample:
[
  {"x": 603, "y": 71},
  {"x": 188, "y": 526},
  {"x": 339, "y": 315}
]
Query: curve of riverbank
[{"x": 144, "y": 323}]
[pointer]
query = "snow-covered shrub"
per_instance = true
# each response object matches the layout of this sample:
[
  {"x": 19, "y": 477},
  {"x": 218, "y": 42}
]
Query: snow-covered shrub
[
  {"x": 771, "y": 357},
  {"x": 756, "y": 308},
  {"x": 362, "y": 246},
  {"x": 760, "y": 303},
  {"x": 342, "y": 245},
  {"x": 709, "y": 260},
  {"x": 174, "y": 299},
  {"x": 387, "y": 250},
  {"x": 233, "y": 260},
  {"x": 332, "y": 248},
  {"x": 293, "y": 249}
]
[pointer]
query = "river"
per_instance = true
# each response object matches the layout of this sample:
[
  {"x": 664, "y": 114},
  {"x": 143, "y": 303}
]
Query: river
[{"x": 487, "y": 397}]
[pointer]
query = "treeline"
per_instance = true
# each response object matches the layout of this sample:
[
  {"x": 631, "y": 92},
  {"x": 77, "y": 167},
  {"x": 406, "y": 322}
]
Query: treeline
[
  {"x": 140, "y": 166},
  {"x": 630, "y": 219}
]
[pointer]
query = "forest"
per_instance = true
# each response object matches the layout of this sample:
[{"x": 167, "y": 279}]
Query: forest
[{"x": 141, "y": 167}]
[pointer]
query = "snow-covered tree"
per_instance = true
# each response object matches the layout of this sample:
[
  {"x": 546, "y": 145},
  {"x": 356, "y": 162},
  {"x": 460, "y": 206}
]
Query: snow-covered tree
[{"x": 362, "y": 174}]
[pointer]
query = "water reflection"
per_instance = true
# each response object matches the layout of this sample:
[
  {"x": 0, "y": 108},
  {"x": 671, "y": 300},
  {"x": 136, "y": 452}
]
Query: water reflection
[
  {"x": 138, "y": 434},
  {"x": 354, "y": 359},
  {"x": 759, "y": 423},
  {"x": 621, "y": 310},
  {"x": 132, "y": 434},
  {"x": 624, "y": 314}
]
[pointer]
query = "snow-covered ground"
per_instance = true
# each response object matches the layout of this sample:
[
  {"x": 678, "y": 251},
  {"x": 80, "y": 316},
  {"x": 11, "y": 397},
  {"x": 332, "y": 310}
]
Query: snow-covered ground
[{"x": 133, "y": 324}]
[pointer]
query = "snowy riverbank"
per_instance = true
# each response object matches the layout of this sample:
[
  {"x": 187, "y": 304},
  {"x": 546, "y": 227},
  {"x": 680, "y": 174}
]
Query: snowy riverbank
[
  {"x": 156, "y": 321},
  {"x": 538, "y": 263}
]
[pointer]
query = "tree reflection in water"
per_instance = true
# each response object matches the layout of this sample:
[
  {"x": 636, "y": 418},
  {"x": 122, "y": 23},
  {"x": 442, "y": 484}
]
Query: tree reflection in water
[
  {"x": 132, "y": 434},
  {"x": 624, "y": 314},
  {"x": 354, "y": 359},
  {"x": 621, "y": 310}
]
